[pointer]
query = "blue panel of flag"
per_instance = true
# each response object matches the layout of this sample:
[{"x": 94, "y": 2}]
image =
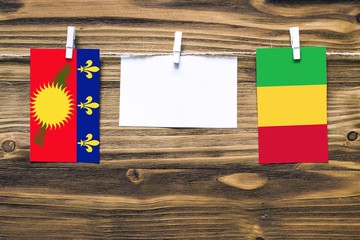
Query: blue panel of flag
[{"x": 88, "y": 105}]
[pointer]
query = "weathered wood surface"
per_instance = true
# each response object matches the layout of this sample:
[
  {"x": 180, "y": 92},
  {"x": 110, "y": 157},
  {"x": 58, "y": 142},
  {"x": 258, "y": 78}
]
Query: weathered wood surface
[{"x": 180, "y": 183}]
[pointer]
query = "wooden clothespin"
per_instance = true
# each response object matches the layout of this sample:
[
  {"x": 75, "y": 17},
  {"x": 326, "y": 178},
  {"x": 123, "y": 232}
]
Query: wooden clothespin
[
  {"x": 70, "y": 42},
  {"x": 177, "y": 47},
  {"x": 295, "y": 42}
]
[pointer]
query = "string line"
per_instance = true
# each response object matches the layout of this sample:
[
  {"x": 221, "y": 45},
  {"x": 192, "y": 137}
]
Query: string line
[{"x": 129, "y": 54}]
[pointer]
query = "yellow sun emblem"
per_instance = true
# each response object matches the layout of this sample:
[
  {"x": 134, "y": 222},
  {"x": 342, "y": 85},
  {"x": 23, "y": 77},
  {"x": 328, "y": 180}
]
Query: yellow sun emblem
[{"x": 52, "y": 105}]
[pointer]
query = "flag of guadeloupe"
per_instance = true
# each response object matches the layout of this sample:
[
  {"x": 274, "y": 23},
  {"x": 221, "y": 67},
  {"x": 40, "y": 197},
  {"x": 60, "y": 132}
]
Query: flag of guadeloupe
[
  {"x": 64, "y": 106},
  {"x": 292, "y": 111}
]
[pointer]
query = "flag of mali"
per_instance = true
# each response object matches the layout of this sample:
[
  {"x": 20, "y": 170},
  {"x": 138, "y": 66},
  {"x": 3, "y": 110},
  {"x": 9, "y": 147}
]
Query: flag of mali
[
  {"x": 64, "y": 106},
  {"x": 292, "y": 116}
]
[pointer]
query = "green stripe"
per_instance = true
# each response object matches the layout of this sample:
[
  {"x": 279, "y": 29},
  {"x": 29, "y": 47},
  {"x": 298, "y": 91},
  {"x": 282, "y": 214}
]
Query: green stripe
[{"x": 276, "y": 67}]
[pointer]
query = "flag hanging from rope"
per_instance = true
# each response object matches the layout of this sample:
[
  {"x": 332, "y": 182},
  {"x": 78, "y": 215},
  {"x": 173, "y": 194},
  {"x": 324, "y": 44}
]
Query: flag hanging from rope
[
  {"x": 292, "y": 115},
  {"x": 64, "y": 106}
]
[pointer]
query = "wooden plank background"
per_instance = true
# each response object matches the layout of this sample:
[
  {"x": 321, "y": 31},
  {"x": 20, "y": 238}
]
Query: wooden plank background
[{"x": 180, "y": 183}]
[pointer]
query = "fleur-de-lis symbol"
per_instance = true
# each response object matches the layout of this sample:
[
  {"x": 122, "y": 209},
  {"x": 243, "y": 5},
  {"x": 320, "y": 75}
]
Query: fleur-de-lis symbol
[
  {"x": 89, "y": 69},
  {"x": 89, "y": 105},
  {"x": 89, "y": 143}
]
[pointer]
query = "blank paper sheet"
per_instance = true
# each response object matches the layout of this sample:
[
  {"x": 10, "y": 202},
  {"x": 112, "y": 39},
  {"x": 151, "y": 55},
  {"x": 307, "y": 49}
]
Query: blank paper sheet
[{"x": 200, "y": 92}]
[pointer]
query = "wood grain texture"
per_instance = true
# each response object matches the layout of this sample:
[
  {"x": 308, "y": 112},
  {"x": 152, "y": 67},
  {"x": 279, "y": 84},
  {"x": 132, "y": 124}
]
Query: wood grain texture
[{"x": 165, "y": 183}]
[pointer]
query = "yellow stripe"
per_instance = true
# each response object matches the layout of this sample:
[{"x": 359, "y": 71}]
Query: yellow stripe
[{"x": 291, "y": 105}]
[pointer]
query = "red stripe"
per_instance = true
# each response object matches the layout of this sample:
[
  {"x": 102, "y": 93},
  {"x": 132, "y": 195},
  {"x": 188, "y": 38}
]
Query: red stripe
[
  {"x": 293, "y": 144},
  {"x": 60, "y": 143}
]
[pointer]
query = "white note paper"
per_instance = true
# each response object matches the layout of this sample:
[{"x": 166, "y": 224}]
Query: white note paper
[{"x": 200, "y": 92}]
